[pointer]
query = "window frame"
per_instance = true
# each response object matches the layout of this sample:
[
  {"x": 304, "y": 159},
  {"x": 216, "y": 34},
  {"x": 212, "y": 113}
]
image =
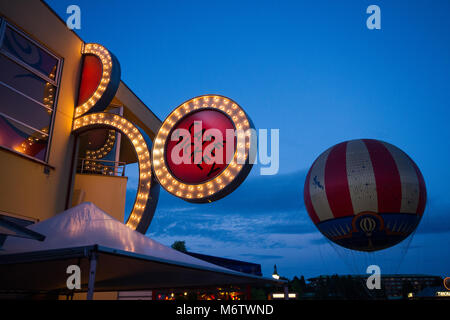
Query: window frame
[{"x": 55, "y": 82}]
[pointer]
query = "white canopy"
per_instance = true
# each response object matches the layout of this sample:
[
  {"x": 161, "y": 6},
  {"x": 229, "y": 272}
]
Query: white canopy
[
  {"x": 87, "y": 225},
  {"x": 130, "y": 259}
]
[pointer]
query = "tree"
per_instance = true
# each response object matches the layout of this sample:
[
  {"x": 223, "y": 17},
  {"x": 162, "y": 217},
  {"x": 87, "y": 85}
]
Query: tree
[
  {"x": 302, "y": 282},
  {"x": 407, "y": 287},
  {"x": 298, "y": 286},
  {"x": 179, "y": 246},
  {"x": 258, "y": 294}
]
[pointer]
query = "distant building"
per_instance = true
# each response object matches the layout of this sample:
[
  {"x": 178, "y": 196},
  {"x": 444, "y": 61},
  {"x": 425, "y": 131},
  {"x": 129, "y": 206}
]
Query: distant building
[
  {"x": 236, "y": 265},
  {"x": 394, "y": 285},
  {"x": 437, "y": 292},
  {"x": 238, "y": 292}
]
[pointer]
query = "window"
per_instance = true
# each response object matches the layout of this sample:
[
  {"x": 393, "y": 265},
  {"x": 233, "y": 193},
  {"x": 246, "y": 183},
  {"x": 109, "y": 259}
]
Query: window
[{"x": 29, "y": 81}]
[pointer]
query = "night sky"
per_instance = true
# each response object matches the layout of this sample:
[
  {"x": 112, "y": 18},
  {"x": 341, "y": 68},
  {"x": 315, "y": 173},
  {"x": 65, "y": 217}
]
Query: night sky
[{"x": 313, "y": 70}]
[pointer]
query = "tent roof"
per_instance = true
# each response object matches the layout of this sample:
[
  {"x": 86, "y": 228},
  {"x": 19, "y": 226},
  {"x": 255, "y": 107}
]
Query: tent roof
[{"x": 127, "y": 260}]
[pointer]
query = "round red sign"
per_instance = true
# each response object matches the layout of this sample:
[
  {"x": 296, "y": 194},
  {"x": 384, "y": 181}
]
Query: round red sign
[
  {"x": 202, "y": 150},
  {"x": 203, "y": 155}
]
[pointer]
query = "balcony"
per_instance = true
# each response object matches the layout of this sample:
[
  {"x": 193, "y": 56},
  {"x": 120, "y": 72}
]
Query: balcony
[
  {"x": 102, "y": 182},
  {"x": 101, "y": 167}
]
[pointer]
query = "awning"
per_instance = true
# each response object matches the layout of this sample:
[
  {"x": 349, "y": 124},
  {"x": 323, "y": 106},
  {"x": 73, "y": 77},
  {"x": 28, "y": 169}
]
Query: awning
[
  {"x": 9, "y": 227},
  {"x": 121, "y": 259}
]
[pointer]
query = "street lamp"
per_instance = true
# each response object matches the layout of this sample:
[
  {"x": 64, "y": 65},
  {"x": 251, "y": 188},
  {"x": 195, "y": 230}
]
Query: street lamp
[{"x": 275, "y": 274}]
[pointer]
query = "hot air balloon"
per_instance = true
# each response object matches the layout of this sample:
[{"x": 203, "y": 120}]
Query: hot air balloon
[{"x": 365, "y": 194}]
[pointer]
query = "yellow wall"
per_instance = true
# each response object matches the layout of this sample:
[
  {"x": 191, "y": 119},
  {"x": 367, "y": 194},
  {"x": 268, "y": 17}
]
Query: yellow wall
[
  {"x": 24, "y": 188},
  {"x": 106, "y": 192}
]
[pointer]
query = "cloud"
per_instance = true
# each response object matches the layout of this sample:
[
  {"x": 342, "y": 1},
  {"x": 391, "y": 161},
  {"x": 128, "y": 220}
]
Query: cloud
[
  {"x": 260, "y": 256},
  {"x": 319, "y": 241},
  {"x": 256, "y": 195},
  {"x": 435, "y": 218},
  {"x": 265, "y": 221},
  {"x": 291, "y": 227},
  {"x": 261, "y": 205},
  {"x": 269, "y": 230}
]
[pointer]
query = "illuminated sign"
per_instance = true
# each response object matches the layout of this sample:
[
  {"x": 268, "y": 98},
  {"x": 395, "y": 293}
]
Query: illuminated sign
[
  {"x": 100, "y": 80},
  {"x": 447, "y": 283},
  {"x": 202, "y": 151},
  {"x": 148, "y": 190}
]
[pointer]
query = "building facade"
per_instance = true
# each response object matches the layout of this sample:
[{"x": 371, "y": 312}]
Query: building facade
[
  {"x": 393, "y": 286},
  {"x": 69, "y": 126},
  {"x": 45, "y": 167}
]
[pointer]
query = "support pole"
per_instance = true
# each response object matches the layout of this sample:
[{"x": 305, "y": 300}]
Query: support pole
[
  {"x": 286, "y": 293},
  {"x": 92, "y": 270},
  {"x": 249, "y": 292}
]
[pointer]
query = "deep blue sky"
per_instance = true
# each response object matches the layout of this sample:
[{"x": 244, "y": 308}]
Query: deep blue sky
[{"x": 313, "y": 70}]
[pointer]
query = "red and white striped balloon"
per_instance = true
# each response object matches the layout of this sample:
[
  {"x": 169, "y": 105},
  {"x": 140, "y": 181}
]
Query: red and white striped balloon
[{"x": 363, "y": 176}]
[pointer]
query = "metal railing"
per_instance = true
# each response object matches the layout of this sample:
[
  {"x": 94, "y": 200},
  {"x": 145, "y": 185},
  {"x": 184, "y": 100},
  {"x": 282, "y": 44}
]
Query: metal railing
[{"x": 101, "y": 167}]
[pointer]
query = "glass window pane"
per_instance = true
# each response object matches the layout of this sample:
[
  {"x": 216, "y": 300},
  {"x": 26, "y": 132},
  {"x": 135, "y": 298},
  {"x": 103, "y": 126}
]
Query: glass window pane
[
  {"x": 28, "y": 52},
  {"x": 23, "y": 109},
  {"x": 26, "y": 82},
  {"x": 17, "y": 137}
]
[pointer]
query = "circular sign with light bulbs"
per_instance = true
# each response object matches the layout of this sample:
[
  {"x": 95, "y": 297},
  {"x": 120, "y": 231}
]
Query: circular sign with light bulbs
[
  {"x": 100, "y": 79},
  {"x": 447, "y": 283},
  {"x": 204, "y": 149}
]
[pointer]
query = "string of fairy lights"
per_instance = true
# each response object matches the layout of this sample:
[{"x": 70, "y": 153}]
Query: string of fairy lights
[
  {"x": 202, "y": 191},
  {"x": 48, "y": 100}
]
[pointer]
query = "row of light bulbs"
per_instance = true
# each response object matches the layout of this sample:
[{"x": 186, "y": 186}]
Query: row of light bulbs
[
  {"x": 170, "y": 183},
  {"x": 207, "y": 189},
  {"x": 132, "y": 133},
  {"x": 101, "y": 152},
  {"x": 105, "y": 149},
  {"x": 103, "y": 54},
  {"x": 121, "y": 124}
]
